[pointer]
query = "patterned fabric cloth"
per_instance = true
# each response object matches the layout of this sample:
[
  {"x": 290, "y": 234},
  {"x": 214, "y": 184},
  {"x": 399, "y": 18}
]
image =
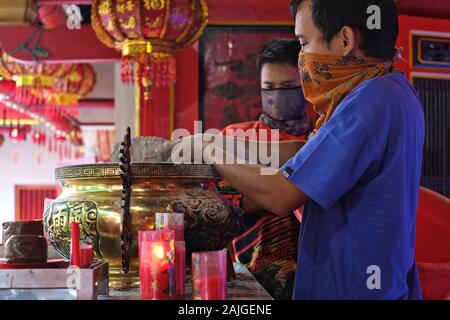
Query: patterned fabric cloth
[
  {"x": 326, "y": 80},
  {"x": 268, "y": 246}
]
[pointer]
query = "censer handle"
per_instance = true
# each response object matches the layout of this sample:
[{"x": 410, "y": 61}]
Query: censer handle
[{"x": 125, "y": 174}]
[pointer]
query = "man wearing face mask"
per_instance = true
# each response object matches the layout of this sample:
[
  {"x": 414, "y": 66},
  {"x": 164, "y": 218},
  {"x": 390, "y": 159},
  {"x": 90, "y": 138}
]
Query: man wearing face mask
[
  {"x": 359, "y": 173},
  {"x": 283, "y": 104},
  {"x": 268, "y": 246}
]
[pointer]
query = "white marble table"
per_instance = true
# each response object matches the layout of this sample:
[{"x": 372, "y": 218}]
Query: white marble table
[{"x": 244, "y": 287}]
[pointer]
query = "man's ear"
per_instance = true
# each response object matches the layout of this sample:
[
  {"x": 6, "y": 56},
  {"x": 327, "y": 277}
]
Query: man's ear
[{"x": 349, "y": 41}]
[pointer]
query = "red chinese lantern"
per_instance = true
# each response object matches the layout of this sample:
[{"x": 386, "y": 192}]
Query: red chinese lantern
[
  {"x": 52, "y": 16},
  {"x": 32, "y": 80},
  {"x": 7, "y": 87},
  {"x": 77, "y": 84},
  {"x": 148, "y": 32}
]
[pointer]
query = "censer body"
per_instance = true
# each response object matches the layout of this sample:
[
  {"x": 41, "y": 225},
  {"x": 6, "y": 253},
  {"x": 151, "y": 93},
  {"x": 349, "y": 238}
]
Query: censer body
[{"x": 91, "y": 196}]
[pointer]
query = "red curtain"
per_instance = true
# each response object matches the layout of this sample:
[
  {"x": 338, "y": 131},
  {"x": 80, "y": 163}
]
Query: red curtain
[
  {"x": 433, "y": 244},
  {"x": 30, "y": 200}
]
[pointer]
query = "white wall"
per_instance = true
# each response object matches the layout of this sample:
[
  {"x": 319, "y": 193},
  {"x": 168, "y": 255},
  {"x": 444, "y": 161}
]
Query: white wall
[
  {"x": 104, "y": 85},
  {"x": 124, "y": 106},
  {"x": 26, "y": 171}
]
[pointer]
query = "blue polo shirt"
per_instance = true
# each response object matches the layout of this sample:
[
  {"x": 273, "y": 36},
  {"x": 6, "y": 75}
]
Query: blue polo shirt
[{"x": 362, "y": 173}]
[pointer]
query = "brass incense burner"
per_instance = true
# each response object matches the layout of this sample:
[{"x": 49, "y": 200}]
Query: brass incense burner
[{"x": 91, "y": 195}]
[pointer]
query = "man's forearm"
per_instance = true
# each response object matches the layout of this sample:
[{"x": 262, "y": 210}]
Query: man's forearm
[
  {"x": 265, "y": 186},
  {"x": 272, "y": 192},
  {"x": 286, "y": 149},
  {"x": 267, "y": 153},
  {"x": 249, "y": 206}
]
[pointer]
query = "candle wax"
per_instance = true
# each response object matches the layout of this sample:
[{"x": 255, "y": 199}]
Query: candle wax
[
  {"x": 180, "y": 268},
  {"x": 212, "y": 287},
  {"x": 74, "y": 244},
  {"x": 156, "y": 270},
  {"x": 86, "y": 256}
]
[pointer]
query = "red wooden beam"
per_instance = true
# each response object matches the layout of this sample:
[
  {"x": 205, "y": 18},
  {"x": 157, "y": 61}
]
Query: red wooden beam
[
  {"x": 87, "y": 104},
  {"x": 61, "y": 2},
  {"x": 82, "y": 45},
  {"x": 277, "y": 10},
  {"x": 249, "y": 11},
  {"x": 421, "y": 8},
  {"x": 96, "y": 103},
  {"x": 63, "y": 45}
]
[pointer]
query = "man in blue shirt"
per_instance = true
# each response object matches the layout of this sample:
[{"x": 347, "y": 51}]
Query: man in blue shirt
[{"x": 359, "y": 173}]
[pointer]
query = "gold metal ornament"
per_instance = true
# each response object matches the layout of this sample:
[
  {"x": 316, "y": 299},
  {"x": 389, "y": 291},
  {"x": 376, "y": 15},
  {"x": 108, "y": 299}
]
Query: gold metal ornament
[{"x": 92, "y": 193}]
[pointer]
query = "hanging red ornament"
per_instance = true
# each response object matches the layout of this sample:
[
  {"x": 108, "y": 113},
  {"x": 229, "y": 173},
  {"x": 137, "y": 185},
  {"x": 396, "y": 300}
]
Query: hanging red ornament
[
  {"x": 60, "y": 151},
  {"x": 149, "y": 33},
  {"x": 43, "y": 138},
  {"x": 77, "y": 84},
  {"x": 36, "y": 138},
  {"x": 52, "y": 16},
  {"x": 32, "y": 80}
]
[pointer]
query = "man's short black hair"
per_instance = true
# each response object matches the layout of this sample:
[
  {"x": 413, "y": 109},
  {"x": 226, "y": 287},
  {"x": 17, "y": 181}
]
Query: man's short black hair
[
  {"x": 330, "y": 16},
  {"x": 279, "y": 51}
]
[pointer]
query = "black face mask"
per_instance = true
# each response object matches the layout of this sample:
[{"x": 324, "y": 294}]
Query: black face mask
[
  {"x": 283, "y": 104},
  {"x": 284, "y": 109}
]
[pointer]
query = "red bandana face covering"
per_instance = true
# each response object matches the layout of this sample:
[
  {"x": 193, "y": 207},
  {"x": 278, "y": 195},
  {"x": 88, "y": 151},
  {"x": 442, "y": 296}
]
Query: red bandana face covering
[{"x": 327, "y": 80}]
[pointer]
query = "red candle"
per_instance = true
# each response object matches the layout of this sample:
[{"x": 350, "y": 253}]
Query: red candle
[
  {"x": 156, "y": 267},
  {"x": 180, "y": 267},
  {"x": 209, "y": 275},
  {"x": 179, "y": 232},
  {"x": 86, "y": 255},
  {"x": 213, "y": 287},
  {"x": 74, "y": 244},
  {"x": 157, "y": 235},
  {"x": 171, "y": 221}
]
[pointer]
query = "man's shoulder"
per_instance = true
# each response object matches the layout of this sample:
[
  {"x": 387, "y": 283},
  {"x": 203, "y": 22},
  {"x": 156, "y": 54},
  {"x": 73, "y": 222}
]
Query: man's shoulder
[
  {"x": 381, "y": 98},
  {"x": 392, "y": 88}
]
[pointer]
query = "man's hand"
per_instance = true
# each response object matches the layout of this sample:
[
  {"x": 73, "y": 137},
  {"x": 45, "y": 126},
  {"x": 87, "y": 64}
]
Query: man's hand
[
  {"x": 210, "y": 149},
  {"x": 191, "y": 149}
]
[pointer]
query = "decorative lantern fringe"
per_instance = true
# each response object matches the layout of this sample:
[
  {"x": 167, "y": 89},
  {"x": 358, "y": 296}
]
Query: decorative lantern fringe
[{"x": 157, "y": 72}]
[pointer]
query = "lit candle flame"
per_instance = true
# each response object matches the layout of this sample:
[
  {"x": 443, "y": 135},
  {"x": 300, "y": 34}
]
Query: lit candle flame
[{"x": 158, "y": 252}]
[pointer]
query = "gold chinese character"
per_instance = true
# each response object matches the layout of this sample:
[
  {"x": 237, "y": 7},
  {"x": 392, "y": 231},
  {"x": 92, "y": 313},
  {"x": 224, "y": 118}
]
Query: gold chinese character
[
  {"x": 157, "y": 4},
  {"x": 109, "y": 26},
  {"x": 120, "y": 8},
  {"x": 103, "y": 8},
  {"x": 130, "y": 24},
  {"x": 154, "y": 4},
  {"x": 130, "y": 5},
  {"x": 154, "y": 24}
]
